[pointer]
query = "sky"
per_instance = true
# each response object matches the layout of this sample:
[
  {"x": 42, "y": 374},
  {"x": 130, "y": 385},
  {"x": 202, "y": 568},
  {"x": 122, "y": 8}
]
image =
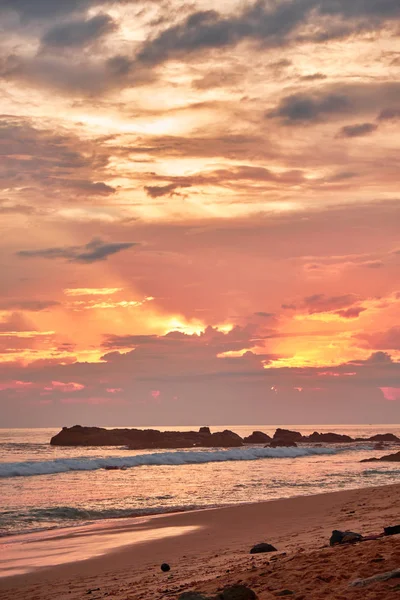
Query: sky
[{"x": 199, "y": 212}]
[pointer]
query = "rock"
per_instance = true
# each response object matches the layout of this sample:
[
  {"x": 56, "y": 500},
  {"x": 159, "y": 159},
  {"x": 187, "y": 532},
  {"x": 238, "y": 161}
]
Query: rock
[
  {"x": 287, "y": 436},
  {"x": 165, "y": 567},
  {"x": 329, "y": 438},
  {"x": 263, "y": 547},
  {"x": 226, "y": 438},
  {"x": 281, "y": 443},
  {"x": 392, "y": 530},
  {"x": 381, "y": 577},
  {"x": 285, "y": 593},
  {"x": 257, "y": 437},
  {"x": 143, "y": 439},
  {"x": 344, "y": 537},
  {"x": 384, "y": 437},
  {"x": 237, "y": 592},
  {"x": 388, "y": 458}
]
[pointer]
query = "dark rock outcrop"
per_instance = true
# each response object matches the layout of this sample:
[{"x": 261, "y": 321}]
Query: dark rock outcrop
[
  {"x": 281, "y": 444},
  {"x": 236, "y": 592},
  {"x": 344, "y": 537},
  {"x": 388, "y": 458},
  {"x": 384, "y": 437},
  {"x": 143, "y": 439},
  {"x": 285, "y": 435},
  {"x": 263, "y": 547},
  {"x": 225, "y": 438},
  {"x": 328, "y": 438},
  {"x": 205, "y": 430},
  {"x": 257, "y": 437},
  {"x": 392, "y": 530}
]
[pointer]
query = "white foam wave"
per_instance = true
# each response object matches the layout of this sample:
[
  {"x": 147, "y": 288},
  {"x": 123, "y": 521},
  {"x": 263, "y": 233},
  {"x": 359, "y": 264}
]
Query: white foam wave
[{"x": 64, "y": 465}]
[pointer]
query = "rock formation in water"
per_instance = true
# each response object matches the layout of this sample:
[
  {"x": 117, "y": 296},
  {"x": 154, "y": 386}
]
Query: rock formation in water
[
  {"x": 257, "y": 437},
  {"x": 146, "y": 439},
  {"x": 143, "y": 439},
  {"x": 387, "y": 458}
]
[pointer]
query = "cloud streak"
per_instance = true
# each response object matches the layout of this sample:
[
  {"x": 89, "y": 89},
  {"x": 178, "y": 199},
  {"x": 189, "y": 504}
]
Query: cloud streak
[{"x": 94, "y": 251}]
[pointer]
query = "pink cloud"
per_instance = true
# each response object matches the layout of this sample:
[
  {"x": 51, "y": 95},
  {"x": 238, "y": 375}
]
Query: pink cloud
[{"x": 391, "y": 393}]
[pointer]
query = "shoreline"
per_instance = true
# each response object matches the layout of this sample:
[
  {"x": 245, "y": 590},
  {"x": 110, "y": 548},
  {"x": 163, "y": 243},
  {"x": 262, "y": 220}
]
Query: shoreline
[
  {"x": 212, "y": 536},
  {"x": 174, "y": 511}
]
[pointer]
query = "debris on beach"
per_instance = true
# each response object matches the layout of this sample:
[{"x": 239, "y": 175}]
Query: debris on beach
[
  {"x": 344, "y": 537},
  {"x": 263, "y": 547},
  {"x": 394, "y": 530},
  {"x": 395, "y": 574}
]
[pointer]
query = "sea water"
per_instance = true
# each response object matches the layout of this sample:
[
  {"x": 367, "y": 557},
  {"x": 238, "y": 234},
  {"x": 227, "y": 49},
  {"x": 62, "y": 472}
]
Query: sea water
[{"x": 44, "y": 487}]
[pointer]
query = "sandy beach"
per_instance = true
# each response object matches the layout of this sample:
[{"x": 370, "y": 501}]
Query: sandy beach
[{"x": 208, "y": 549}]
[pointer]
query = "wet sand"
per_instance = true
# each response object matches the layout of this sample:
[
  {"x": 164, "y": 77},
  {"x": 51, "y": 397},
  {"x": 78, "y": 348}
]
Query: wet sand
[{"x": 210, "y": 548}]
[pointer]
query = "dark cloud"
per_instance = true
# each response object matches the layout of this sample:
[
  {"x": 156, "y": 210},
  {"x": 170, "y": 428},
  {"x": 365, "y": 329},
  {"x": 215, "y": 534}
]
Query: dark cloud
[
  {"x": 47, "y": 9},
  {"x": 389, "y": 114},
  {"x": 303, "y": 108},
  {"x": 264, "y": 315},
  {"x": 270, "y": 24},
  {"x": 7, "y": 208},
  {"x": 334, "y": 101},
  {"x": 351, "y": 313},
  {"x": 322, "y": 303},
  {"x": 95, "y": 251},
  {"x": 230, "y": 176},
  {"x": 28, "y": 305},
  {"x": 358, "y": 130},
  {"x": 53, "y": 161},
  {"x": 76, "y": 34},
  {"x": 313, "y": 77},
  {"x": 157, "y": 191}
]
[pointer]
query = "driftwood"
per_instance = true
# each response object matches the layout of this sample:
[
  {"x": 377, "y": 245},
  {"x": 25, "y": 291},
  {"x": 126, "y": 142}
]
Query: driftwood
[{"x": 380, "y": 577}]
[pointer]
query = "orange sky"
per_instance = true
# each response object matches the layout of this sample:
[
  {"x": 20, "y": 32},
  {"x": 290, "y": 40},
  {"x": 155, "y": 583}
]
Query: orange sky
[{"x": 199, "y": 212}]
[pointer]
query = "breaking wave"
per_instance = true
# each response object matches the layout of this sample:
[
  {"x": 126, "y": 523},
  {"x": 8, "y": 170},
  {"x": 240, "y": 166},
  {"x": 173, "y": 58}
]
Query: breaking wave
[{"x": 65, "y": 465}]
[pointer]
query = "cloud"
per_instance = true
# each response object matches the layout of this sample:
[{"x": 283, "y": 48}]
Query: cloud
[
  {"x": 47, "y": 9},
  {"x": 235, "y": 176},
  {"x": 95, "y": 251},
  {"x": 389, "y": 114},
  {"x": 303, "y": 107},
  {"x": 322, "y": 303},
  {"x": 382, "y": 340},
  {"x": 77, "y": 34},
  {"x": 351, "y": 313},
  {"x": 91, "y": 291},
  {"x": 373, "y": 264},
  {"x": 359, "y": 130},
  {"x": 157, "y": 191},
  {"x": 16, "y": 324},
  {"x": 335, "y": 101},
  {"x": 269, "y": 24},
  {"x": 28, "y": 305}
]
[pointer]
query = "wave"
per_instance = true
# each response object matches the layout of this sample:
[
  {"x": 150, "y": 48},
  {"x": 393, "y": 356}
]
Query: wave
[
  {"x": 65, "y": 465},
  {"x": 15, "y": 522}
]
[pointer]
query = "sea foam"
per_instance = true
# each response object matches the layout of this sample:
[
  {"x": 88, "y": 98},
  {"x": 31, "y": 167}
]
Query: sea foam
[{"x": 190, "y": 457}]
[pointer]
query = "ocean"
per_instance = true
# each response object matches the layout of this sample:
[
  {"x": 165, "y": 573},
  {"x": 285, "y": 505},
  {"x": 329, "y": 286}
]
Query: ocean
[{"x": 44, "y": 487}]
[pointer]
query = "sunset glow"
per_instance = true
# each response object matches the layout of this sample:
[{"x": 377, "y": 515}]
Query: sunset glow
[{"x": 200, "y": 212}]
